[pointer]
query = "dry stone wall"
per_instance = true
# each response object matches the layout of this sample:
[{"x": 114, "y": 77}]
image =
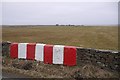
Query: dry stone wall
[{"x": 104, "y": 58}]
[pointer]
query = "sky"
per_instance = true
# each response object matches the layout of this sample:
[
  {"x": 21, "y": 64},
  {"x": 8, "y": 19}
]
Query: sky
[
  {"x": 51, "y": 13},
  {"x": 60, "y": 0}
]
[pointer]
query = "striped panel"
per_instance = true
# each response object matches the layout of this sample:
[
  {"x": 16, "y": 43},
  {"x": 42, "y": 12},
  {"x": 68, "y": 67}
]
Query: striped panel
[
  {"x": 14, "y": 50},
  {"x": 39, "y": 52},
  {"x": 22, "y": 50},
  {"x": 49, "y": 54},
  {"x": 31, "y": 51},
  {"x": 58, "y": 54},
  {"x": 69, "y": 55}
]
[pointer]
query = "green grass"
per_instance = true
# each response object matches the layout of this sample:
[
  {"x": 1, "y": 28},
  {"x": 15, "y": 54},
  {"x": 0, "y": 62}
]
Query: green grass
[{"x": 88, "y": 37}]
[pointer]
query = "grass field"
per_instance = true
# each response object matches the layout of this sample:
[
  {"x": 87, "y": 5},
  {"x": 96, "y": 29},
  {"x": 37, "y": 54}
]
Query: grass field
[{"x": 88, "y": 37}]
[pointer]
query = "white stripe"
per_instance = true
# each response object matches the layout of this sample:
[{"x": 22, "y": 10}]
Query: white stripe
[
  {"x": 58, "y": 54},
  {"x": 39, "y": 52},
  {"x": 22, "y": 50}
]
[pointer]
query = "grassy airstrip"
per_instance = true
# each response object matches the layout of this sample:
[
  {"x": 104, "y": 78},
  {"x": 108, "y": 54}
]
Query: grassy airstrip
[{"x": 85, "y": 36}]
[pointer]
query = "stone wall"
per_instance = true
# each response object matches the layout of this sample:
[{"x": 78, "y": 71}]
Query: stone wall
[
  {"x": 104, "y": 58},
  {"x": 5, "y": 49}
]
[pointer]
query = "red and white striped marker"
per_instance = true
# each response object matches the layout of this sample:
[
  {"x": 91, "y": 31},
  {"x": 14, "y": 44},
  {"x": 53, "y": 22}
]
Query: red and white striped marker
[
  {"x": 39, "y": 52},
  {"x": 50, "y": 54}
]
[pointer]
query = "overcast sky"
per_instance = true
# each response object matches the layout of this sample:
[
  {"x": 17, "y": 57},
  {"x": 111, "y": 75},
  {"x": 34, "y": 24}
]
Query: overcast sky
[{"x": 50, "y": 13}]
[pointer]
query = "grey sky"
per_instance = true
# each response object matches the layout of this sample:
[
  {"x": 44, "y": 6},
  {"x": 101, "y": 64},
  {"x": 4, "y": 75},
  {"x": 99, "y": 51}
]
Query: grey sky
[{"x": 40, "y": 13}]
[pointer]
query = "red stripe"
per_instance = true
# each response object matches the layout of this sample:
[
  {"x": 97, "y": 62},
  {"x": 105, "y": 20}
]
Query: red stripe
[
  {"x": 48, "y": 54},
  {"x": 69, "y": 55},
  {"x": 14, "y": 50},
  {"x": 31, "y": 51}
]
